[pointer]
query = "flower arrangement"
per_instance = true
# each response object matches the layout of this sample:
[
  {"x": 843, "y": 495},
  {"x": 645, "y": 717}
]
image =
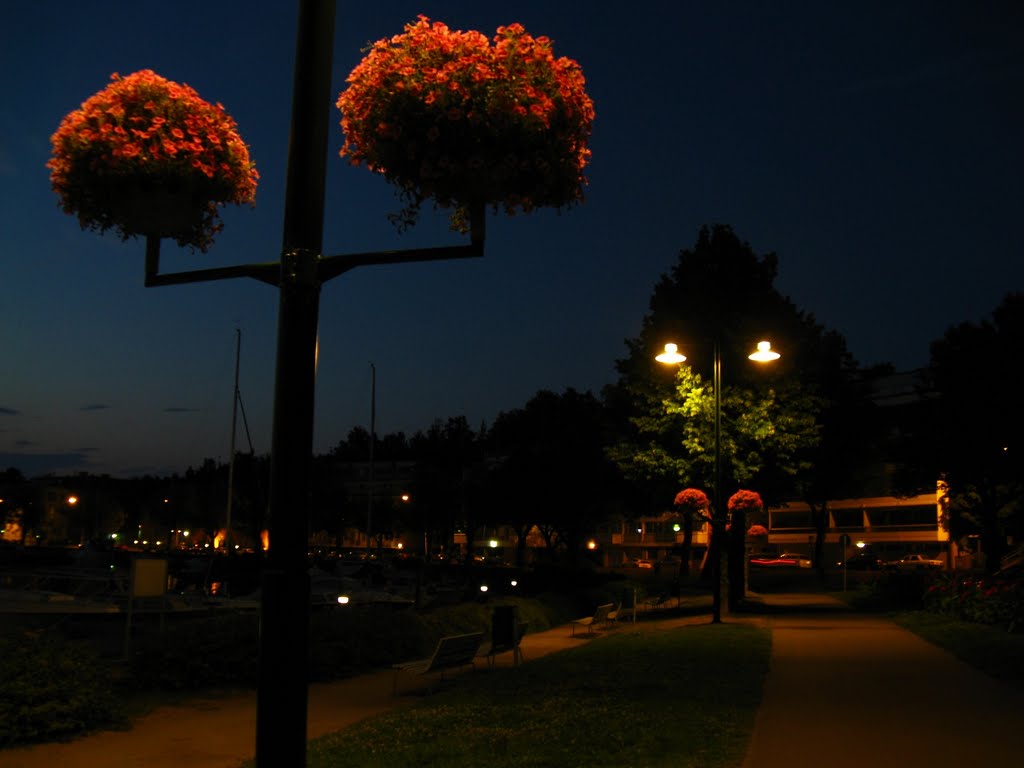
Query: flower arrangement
[
  {"x": 449, "y": 116},
  {"x": 693, "y": 501},
  {"x": 145, "y": 143},
  {"x": 745, "y": 501}
]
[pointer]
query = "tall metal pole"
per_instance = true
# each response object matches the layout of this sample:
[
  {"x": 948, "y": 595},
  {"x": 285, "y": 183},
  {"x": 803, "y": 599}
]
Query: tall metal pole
[
  {"x": 282, "y": 690},
  {"x": 234, "y": 428},
  {"x": 282, "y": 703},
  {"x": 373, "y": 432},
  {"x": 718, "y": 524}
]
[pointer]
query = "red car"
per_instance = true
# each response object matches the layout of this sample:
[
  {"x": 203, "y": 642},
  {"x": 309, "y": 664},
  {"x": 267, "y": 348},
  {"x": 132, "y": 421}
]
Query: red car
[{"x": 784, "y": 560}]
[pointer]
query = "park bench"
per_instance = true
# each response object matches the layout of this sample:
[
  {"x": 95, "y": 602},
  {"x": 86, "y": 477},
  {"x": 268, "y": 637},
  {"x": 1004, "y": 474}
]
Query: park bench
[
  {"x": 600, "y": 617},
  {"x": 452, "y": 652},
  {"x": 660, "y": 602}
]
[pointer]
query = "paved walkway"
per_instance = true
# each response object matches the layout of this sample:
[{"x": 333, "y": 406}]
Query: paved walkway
[
  {"x": 844, "y": 690},
  {"x": 853, "y": 691}
]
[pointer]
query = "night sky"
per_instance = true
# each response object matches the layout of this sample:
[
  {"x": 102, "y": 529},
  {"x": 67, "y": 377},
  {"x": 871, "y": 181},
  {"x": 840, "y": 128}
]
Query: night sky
[{"x": 874, "y": 146}]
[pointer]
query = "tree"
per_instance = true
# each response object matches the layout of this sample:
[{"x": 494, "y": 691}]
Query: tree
[
  {"x": 783, "y": 426},
  {"x": 760, "y": 430},
  {"x": 971, "y": 431},
  {"x": 447, "y": 455},
  {"x": 551, "y": 468},
  {"x": 718, "y": 291}
]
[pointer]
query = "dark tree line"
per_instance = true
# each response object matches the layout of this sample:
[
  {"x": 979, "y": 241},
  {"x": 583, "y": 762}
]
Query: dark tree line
[{"x": 811, "y": 427}]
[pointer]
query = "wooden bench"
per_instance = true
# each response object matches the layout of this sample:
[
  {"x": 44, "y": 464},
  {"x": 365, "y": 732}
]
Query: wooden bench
[
  {"x": 600, "y": 617},
  {"x": 452, "y": 652}
]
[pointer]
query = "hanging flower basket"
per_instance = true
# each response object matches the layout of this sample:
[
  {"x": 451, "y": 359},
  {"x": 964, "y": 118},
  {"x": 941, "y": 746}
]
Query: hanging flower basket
[
  {"x": 147, "y": 156},
  {"x": 448, "y": 116}
]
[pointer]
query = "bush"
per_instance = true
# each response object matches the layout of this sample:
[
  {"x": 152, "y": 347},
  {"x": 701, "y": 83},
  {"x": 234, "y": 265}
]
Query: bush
[
  {"x": 51, "y": 688},
  {"x": 193, "y": 653},
  {"x": 351, "y": 641},
  {"x": 995, "y": 601},
  {"x": 893, "y": 591}
]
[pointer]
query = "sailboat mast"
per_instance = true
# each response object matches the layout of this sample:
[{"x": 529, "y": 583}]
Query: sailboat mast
[
  {"x": 373, "y": 433},
  {"x": 234, "y": 423}
]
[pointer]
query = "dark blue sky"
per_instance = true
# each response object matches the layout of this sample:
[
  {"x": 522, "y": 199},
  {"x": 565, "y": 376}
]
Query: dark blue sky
[{"x": 874, "y": 146}]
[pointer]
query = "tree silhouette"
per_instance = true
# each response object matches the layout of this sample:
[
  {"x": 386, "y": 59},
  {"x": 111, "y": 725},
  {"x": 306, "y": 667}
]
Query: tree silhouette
[{"x": 971, "y": 424}]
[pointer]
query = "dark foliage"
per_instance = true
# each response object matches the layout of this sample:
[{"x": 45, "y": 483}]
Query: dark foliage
[{"x": 50, "y": 688}]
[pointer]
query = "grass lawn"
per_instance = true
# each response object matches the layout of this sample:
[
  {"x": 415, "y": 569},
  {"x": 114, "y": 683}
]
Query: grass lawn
[
  {"x": 990, "y": 649},
  {"x": 681, "y": 697}
]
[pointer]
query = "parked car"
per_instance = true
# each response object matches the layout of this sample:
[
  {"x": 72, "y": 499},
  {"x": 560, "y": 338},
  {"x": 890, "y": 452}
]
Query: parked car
[
  {"x": 916, "y": 562},
  {"x": 865, "y": 561},
  {"x": 784, "y": 560},
  {"x": 631, "y": 563}
]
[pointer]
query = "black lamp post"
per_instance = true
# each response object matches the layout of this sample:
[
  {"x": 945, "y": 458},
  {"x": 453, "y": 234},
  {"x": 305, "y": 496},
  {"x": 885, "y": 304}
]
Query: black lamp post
[
  {"x": 671, "y": 355},
  {"x": 282, "y": 703}
]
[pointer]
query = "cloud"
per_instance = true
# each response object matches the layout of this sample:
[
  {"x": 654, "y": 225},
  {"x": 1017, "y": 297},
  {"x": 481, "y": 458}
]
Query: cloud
[
  {"x": 95, "y": 407},
  {"x": 24, "y": 443},
  {"x": 35, "y": 464},
  {"x": 8, "y": 411}
]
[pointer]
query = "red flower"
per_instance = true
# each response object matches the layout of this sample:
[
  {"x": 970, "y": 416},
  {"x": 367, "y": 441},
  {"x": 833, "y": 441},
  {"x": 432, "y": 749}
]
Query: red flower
[
  {"x": 174, "y": 140},
  {"x": 692, "y": 500},
  {"x": 456, "y": 95},
  {"x": 748, "y": 501}
]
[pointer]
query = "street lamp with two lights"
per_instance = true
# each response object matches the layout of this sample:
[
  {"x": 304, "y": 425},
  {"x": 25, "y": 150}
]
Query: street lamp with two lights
[{"x": 672, "y": 356}]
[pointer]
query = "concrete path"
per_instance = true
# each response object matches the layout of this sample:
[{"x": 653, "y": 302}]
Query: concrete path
[{"x": 849, "y": 691}]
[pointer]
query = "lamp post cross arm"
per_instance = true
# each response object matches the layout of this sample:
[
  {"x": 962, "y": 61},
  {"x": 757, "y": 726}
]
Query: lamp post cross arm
[{"x": 327, "y": 267}]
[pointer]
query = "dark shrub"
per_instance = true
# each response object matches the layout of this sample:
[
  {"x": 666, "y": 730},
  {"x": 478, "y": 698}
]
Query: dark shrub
[
  {"x": 197, "y": 652},
  {"x": 353, "y": 640},
  {"x": 51, "y": 688}
]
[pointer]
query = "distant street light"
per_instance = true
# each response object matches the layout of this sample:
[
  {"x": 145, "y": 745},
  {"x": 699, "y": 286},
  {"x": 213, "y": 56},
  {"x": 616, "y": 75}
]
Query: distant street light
[{"x": 672, "y": 356}]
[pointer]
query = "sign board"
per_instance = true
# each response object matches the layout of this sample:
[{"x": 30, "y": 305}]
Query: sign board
[{"x": 149, "y": 577}]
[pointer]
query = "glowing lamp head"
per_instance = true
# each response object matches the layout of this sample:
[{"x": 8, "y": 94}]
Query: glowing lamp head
[
  {"x": 671, "y": 355},
  {"x": 764, "y": 353}
]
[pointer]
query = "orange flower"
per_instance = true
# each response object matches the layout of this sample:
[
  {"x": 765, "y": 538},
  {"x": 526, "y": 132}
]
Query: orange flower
[
  {"x": 174, "y": 138},
  {"x": 472, "y": 101}
]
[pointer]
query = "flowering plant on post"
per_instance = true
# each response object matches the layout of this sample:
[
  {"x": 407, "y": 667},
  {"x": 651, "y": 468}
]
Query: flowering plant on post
[
  {"x": 740, "y": 505},
  {"x": 148, "y": 156},
  {"x": 693, "y": 503},
  {"x": 447, "y": 115}
]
